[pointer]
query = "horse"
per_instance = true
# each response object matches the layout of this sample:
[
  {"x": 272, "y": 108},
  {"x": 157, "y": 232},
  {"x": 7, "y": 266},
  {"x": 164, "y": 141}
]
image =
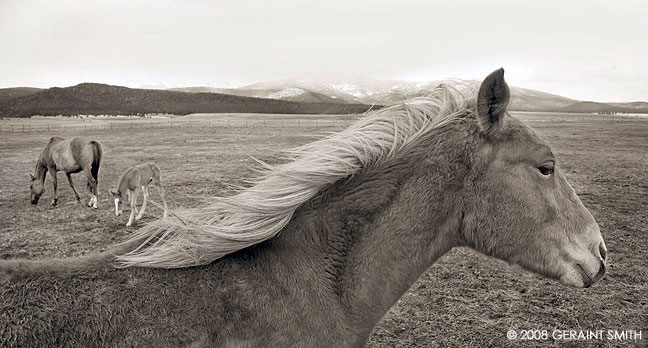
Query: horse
[
  {"x": 316, "y": 250},
  {"x": 135, "y": 177},
  {"x": 69, "y": 156}
]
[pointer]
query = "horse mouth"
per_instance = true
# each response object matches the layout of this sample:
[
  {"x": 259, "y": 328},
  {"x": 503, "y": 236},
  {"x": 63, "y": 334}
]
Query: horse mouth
[{"x": 587, "y": 280}]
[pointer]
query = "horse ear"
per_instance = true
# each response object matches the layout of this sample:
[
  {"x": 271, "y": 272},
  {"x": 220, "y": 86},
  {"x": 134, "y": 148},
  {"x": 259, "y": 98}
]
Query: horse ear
[
  {"x": 492, "y": 100},
  {"x": 32, "y": 177}
]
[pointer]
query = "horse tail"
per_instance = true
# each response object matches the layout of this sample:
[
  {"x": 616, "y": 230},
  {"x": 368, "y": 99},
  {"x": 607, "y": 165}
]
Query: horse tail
[{"x": 96, "y": 159}]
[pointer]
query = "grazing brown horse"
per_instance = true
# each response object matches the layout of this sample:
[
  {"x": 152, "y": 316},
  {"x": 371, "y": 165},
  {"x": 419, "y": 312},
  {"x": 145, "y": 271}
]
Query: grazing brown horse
[
  {"x": 317, "y": 251},
  {"x": 140, "y": 176},
  {"x": 69, "y": 156}
]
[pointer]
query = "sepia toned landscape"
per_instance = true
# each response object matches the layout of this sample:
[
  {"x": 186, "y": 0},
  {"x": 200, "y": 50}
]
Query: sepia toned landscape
[
  {"x": 464, "y": 299},
  {"x": 412, "y": 211}
]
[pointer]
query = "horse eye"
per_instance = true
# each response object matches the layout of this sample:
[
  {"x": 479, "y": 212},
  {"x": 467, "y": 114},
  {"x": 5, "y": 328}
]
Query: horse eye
[{"x": 546, "y": 170}]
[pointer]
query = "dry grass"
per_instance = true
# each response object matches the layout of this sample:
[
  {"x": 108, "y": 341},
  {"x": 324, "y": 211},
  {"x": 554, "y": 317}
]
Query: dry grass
[{"x": 465, "y": 299}]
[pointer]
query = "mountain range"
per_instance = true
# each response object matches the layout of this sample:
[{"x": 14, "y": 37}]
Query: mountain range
[
  {"x": 100, "y": 99},
  {"x": 287, "y": 96},
  {"x": 383, "y": 92}
]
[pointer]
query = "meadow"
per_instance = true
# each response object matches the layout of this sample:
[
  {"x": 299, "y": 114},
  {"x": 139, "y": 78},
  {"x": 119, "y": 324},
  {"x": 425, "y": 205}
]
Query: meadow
[{"x": 465, "y": 299}]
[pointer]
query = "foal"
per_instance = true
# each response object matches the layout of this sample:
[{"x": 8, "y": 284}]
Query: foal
[{"x": 139, "y": 176}]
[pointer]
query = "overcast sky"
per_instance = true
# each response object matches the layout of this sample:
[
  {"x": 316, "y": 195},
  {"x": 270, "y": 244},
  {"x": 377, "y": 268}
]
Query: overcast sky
[{"x": 585, "y": 49}]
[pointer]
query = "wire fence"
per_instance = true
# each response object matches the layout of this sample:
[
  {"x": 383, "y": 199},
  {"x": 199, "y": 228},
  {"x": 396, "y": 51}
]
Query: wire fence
[
  {"x": 558, "y": 117},
  {"x": 29, "y": 125},
  {"x": 166, "y": 124}
]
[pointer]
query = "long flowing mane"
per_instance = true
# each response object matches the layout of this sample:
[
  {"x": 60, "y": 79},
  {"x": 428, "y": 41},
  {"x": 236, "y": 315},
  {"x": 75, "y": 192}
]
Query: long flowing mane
[{"x": 260, "y": 212}]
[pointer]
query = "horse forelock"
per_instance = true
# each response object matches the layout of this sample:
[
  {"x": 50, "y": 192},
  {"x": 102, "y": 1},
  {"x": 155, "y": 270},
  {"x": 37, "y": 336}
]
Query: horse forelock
[{"x": 260, "y": 212}]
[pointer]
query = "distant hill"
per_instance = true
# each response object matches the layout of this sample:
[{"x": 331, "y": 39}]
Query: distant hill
[
  {"x": 97, "y": 99},
  {"x": 605, "y": 108},
  {"x": 382, "y": 92},
  {"x": 10, "y": 93},
  {"x": 290, "y": 93},
  {"x": 523, "y": 99},
  {"x": 286, "y": 96},
  {"x": 632, "y": 105}
]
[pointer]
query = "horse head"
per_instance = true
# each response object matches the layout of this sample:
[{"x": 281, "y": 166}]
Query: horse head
[
  {"x": 520, "y": 206},
  {"x": 37, "y": 189},
  {"x": 119, "y": 200}
]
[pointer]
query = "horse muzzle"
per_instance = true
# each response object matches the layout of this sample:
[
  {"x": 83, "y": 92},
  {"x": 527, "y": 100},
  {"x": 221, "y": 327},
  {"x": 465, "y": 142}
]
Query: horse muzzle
[{"x": 584, "y": 271}]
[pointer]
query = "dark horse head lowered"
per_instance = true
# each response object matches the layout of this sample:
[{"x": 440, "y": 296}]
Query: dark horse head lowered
[
  {"x": 321, "y": 246},
  {"x": 69, "y": 156}
]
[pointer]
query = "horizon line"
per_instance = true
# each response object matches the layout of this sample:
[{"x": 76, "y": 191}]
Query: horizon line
[{"x": 242, "y": 86}]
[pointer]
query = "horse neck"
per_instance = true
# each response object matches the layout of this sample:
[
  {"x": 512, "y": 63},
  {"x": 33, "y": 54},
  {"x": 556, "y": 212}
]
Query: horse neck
[
  {"x": 124, "y": 181},
  {"x": 370, "y": 238},
  {"x": 41, "y": 170}
]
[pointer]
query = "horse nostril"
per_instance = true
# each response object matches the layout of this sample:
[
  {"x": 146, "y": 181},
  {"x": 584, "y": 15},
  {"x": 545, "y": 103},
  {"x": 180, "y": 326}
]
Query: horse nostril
[
  {"x": 601, "y": 271},
  {"x": 602, "y": 251}
]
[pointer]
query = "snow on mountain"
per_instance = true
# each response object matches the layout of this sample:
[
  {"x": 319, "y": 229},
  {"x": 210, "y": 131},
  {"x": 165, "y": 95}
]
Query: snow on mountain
[
  {"x": 384, "y": 92},
  {"x": 354, "y": 90},
  {"x": 286, "y": 93}
]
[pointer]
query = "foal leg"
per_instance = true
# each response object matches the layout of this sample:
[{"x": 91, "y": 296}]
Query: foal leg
[
  {"x": 54, "y": 183},
  {"x": 76, "y": 193},
  {"x": 129, "y": 199},
  {"x": 145, "y": 192},
  {"x": 133, "y": 202}
]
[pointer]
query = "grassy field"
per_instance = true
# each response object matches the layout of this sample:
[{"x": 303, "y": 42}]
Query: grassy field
[{"x": 465, "y": 299}]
